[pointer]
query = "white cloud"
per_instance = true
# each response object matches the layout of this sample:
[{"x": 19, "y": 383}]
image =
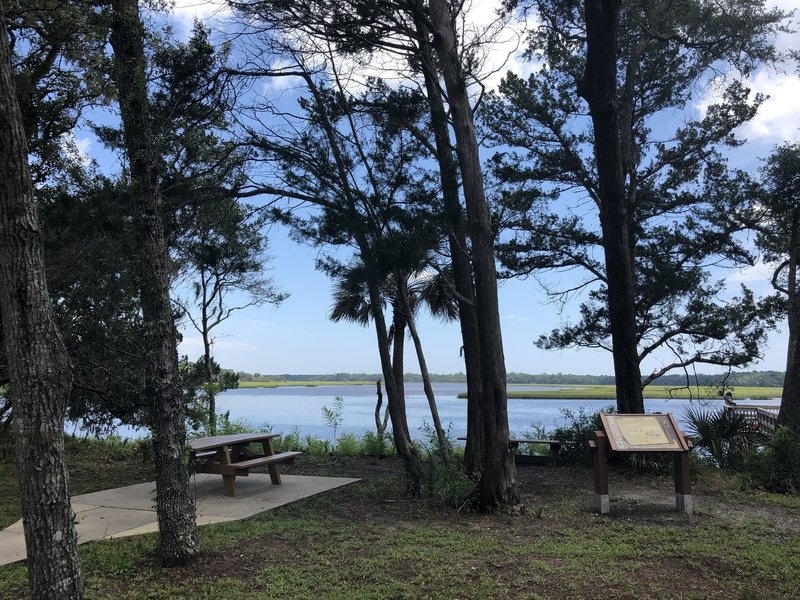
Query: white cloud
[
  {"x": 202, "y": 10},
  {"x": 185, "y": 12},
  {"x": 77, "y": 148},
  {"x": 778, "y": 119},
  {"x": 192, "y": 345}
]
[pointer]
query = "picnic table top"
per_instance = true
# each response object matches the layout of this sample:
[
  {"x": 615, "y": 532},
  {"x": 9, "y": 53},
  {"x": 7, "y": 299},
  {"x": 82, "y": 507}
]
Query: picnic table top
[{"x": 217, "y": 441}]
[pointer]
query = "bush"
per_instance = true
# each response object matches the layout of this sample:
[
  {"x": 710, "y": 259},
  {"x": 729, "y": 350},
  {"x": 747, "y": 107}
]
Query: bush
[
  {"x": 315, "y": 446},
  {"x": 377, "y": 444},
  {"x": 536, "y": 432},
  {"x": 227, "y": 427},
  {"x": 431, "y": 443},
  {"x": 776, "y": 466},
  {"x": 348, "y": 445},
  {"x": 725, "y": 437},
  {"x": 448, "y": 484},
  {"x": 289, "y": 441},
  {"x": 580, "y": 428}
]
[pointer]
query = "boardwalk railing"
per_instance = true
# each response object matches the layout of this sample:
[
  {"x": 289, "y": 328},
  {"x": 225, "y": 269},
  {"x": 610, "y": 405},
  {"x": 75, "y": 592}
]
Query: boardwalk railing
[{"x": 765, "y": 416}]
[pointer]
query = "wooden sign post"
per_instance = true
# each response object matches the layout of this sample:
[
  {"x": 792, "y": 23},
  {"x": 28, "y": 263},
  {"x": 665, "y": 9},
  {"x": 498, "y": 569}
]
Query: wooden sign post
[{"x": 641, "y": 433}]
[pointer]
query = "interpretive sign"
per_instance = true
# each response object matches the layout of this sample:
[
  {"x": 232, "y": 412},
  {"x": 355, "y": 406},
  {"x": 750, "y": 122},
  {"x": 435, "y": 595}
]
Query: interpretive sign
[{"x": 643, "y": 433}]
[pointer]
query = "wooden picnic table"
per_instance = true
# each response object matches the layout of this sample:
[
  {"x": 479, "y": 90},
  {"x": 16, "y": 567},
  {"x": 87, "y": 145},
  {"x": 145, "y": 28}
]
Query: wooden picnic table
[{"x": 230, "y": 456}]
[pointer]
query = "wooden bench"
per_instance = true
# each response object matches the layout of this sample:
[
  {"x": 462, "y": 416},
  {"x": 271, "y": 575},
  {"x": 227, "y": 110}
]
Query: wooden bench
[{"x": 557, "y": 448}]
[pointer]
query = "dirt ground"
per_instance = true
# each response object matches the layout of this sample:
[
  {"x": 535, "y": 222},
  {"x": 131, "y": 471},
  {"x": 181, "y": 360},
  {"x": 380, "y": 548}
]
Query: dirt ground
[{"x": 643, "y": 495}]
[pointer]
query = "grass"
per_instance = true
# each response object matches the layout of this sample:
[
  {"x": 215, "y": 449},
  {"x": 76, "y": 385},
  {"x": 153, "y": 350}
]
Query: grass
[
  {"x": 277, "y": 384},
  {"x": 368, "y": 541},
  {"x": 562, "y": 392},
  {"x": 608, "y": 392}
]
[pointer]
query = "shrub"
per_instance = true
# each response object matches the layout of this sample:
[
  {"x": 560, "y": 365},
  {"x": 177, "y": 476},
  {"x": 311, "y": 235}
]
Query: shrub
[
  {"x": 315, "y": 446},
  {"x": 289, "y": 441},
  {"x": 431, "y": 443},
  {"x": 227, "y": 427},
  {"x": 580, "y": 428},
  {"x": 448, "y": 484},
  {"x": 776, "y": 466},
  {"x": 725, "y": 437},
  {"x": 377, "y": 444},
  {"x": 536, "y": 432},
  {"x": 348, "y": 445}
]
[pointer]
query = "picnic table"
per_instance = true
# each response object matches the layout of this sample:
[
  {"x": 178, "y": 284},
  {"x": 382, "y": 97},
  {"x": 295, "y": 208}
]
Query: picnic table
[{"x": 230, "y": 456}]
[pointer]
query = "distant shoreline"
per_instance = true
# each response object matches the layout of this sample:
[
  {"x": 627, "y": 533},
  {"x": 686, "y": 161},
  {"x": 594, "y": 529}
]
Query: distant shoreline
[{"x": 562, "y": 391}]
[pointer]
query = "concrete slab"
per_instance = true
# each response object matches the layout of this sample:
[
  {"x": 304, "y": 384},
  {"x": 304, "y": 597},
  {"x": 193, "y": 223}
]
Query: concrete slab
[
  {"x": 130, "y": 510},
  {"x": 103, "y": 521},
  {"x": 12, "y": 546}
]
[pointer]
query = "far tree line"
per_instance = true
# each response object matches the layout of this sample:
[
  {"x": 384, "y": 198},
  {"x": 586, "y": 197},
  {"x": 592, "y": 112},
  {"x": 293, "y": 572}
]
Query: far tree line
[
  {"x": 418, "y": 186},
  {"x": 740, "y": 378}
]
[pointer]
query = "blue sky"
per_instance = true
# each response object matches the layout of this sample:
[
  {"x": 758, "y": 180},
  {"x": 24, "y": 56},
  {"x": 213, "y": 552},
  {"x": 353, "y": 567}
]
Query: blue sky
[{"x": 297, "y": 337}]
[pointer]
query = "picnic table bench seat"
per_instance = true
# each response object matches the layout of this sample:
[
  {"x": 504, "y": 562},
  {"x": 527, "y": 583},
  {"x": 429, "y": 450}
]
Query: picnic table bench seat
[{"x": 280, "y": 457}]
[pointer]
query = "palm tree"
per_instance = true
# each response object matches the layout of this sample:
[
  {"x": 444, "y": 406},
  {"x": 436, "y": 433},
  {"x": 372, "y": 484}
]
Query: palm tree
[{"x": 405, "y": 293}]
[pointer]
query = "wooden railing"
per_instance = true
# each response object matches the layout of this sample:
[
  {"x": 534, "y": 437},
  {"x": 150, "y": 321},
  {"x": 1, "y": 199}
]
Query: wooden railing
[{"x": 765, "y": 416}]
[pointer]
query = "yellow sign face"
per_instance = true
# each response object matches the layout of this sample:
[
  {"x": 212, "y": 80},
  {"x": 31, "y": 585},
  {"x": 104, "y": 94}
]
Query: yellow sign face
[{"x": 632, "y": 433}]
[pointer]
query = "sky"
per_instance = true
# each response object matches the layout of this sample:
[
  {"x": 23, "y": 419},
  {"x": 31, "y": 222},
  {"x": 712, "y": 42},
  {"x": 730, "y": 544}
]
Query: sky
[{"x": 297, "y": 336}]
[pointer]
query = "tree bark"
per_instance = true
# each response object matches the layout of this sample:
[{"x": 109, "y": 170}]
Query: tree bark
[
  {"x": 789, "y": 414},
  {"x": 175, "y": 505},
  {"x": 209, "y": 375},
  {"x": 497, "y": 485},
  {"x": 457, "y": 242},
  {"x": 380, "y": 421},
  {"x": 441, "y": 436},
  {"x": 599, "y": 88},
  {"x": 40, "y": 372},
  {"x": 395, "y": 396}
]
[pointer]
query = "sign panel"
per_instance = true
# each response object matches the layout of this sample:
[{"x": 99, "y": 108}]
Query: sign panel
[{"x": 643, "y": 433}]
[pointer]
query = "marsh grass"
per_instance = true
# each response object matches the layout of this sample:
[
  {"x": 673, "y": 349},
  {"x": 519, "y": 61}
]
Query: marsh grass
[{"x": 608, "y": 392}]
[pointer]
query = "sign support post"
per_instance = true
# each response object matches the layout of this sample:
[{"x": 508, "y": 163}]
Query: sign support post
[
  {"x": 641, "y": 433},
  {"x": 598, "y": 446}
]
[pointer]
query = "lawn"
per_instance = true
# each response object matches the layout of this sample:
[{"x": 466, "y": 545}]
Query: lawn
[{"x": 367, "y": 540}]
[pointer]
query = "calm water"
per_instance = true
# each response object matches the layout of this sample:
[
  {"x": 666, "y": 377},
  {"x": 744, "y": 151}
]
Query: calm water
[{"x": 285, "y": 408}]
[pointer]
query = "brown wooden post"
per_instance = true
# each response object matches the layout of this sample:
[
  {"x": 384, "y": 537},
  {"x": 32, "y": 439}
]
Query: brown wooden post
[
  {"x": 683, "y": 483},
  {"x": 598, "y": 446},
  {"x": 274, "y": 474}
]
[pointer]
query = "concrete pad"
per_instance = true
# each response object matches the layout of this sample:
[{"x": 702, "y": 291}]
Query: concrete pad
[
  {"x": 255, "y": 493},
  {"x": 130, "y": 510},
  {"x": 135, "y": 497},
  {"x": 103, "y": 521},
  {"x": 12, "y": 546}
]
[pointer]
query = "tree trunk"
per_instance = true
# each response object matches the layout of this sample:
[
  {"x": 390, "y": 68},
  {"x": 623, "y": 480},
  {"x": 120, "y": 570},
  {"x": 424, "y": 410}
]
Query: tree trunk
[
  {"x": 599, "y": 88},
  {"x": 175, "y": 505},
  {"x": 789, "y": 414},
  {"x": 457, "y": 241},
  {"x": 396, "y": 401},
  {"x": 441, "y": 436},
  {"x": 40, "y": 376},
  {"x": 497, "y": 486},
  {"x": 209, "y": 375},
  {"x": 380, "y": 422}
]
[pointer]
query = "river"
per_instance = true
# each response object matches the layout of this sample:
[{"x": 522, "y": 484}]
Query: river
[{"x": 284, "y": 408}]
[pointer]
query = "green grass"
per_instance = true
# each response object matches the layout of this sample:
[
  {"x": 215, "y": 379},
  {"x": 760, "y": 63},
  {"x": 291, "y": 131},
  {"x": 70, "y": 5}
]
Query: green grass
[
  {"x": 608, "y": 392},
  {"x": 277, "y": 384},
  {"x": 367, "y": 541},
  {"x": 562, "y": 392}
]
